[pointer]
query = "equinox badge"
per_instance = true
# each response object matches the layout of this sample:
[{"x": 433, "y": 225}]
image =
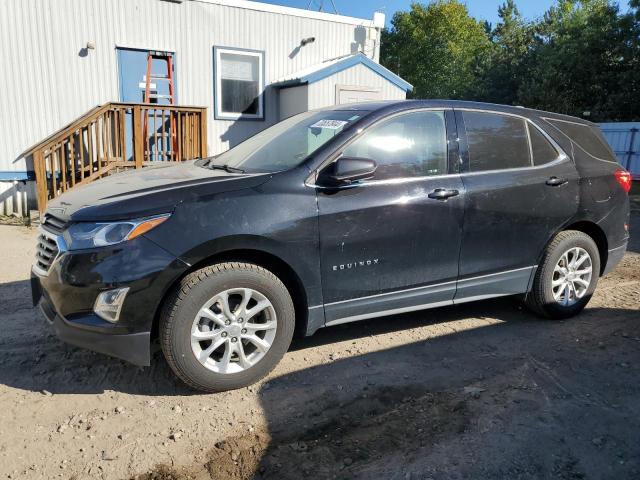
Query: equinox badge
[{"x": 361, "y": 263}]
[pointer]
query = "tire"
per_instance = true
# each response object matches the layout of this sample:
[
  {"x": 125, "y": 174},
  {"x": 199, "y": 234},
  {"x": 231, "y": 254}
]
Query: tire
[
  {"x": 182, "y": 319},
  {"x": 541, "y": 299}
]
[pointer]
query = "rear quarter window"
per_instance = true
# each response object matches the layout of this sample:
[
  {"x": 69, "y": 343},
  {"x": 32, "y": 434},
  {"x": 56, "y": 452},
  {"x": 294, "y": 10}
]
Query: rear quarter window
[{"x": 587, "y": 137}]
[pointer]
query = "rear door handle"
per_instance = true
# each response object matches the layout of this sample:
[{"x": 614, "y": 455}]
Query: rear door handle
[
  {"x": 556, "y": 182},
  {"x": 443, "y": 193}
]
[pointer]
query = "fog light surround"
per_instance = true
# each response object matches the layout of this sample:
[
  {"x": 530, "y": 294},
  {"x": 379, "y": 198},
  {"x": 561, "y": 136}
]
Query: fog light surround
[{"x": 109, "y": 303}]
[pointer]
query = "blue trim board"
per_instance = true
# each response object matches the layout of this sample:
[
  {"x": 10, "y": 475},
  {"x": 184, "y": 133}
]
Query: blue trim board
[
  {"x": 348, "y": 62},
  {"x": 8, "y": 176}
]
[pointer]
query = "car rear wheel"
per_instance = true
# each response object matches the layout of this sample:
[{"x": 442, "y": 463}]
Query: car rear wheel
[
  {"x": 567, "y": 276},
  {"x": 226, "y": 326}
]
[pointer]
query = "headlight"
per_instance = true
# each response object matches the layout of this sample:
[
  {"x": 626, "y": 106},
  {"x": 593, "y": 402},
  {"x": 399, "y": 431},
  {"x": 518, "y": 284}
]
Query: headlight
[{"x": 90, "y": 235}]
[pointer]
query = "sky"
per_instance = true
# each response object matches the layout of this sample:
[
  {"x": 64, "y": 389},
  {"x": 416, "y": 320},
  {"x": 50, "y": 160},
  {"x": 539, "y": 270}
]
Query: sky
[{"x": 481, "y": 9}]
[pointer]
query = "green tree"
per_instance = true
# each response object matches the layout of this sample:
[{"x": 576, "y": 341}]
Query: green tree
[
  {"x": 512, "y": 41},
  {"x": 438, "y": 48},
  {"x": 627, "y": 98},
  {"x": 634, "y": 6},
  {"x": 581, "y": 56},
  {"x": 578, "y": 61}
]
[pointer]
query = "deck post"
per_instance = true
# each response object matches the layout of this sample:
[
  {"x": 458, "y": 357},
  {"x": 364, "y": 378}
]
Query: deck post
[
  {"x": 203, "y": 133},
  {"x": 41, "y": 180},
  {"x": 138, "y": 141}
]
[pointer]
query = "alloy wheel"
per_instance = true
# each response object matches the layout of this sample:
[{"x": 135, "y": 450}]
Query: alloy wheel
[
  {"x": 233, "y": 330},
  {"x": 572, "y": 276}
]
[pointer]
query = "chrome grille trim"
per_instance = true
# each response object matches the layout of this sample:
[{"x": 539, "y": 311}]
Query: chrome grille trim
[{"x": 47, "y": 250}]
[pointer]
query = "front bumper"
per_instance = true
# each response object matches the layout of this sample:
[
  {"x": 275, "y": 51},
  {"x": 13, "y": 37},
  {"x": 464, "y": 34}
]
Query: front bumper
[
  {"x": 132, "y": 347},
  {"x": 67, "y": 292}
]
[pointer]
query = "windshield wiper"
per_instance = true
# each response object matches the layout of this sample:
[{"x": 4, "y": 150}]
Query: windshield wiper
[{"x": 226, "y": 168}]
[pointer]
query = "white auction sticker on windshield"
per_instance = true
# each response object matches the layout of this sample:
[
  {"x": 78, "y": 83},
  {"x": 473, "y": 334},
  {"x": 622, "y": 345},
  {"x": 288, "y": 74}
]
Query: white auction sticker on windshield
[{"x": 330, "y": 124}]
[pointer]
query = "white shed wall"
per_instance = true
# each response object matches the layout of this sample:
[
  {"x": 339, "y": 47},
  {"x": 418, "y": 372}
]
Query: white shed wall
[{"x": 323, "y": 92}]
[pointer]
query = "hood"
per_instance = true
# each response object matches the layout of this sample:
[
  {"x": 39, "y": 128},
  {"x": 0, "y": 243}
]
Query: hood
[{"x": 148, "y": 191}]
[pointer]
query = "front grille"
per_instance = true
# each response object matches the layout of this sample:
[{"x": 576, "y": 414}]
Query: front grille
[
  {"x": 53, "y": 224},
  {"x": 46, "y": 252}
]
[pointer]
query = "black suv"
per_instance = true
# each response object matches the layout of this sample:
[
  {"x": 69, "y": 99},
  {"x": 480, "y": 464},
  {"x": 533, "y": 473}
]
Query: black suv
[{"x": 332, "y": 216}]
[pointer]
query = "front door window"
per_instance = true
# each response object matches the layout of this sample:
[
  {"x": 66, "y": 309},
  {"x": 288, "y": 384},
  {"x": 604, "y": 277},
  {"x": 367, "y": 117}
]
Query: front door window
[{"x": 408, "y": 145}]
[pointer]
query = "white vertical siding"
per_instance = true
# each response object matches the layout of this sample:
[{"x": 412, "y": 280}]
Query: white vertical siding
[
  {"x": 50, "y": 84},
  {"x": 14, "y": 197},
  {"x": 47, "y": 79}
]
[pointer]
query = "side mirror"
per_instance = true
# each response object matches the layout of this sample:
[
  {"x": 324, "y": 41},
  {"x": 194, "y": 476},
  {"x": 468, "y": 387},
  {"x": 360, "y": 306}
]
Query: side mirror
[{"x": 346, "y": 170}]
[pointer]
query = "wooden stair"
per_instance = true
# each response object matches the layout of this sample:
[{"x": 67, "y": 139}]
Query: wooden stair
[{"x": 96, "y": 144}]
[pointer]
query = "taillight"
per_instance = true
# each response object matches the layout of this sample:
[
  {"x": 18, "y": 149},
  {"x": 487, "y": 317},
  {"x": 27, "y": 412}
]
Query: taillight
[{"x": 624, "y": 179}]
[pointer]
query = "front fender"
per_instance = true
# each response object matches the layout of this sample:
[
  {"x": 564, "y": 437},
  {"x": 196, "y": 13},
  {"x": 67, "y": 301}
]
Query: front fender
[
  {"x": 283, "y": 251},
  {"x": 256, "y": 248}
]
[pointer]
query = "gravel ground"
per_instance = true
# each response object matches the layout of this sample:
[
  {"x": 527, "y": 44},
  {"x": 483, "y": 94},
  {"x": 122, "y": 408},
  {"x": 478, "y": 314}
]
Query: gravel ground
[{"x": 483, "y": 390}]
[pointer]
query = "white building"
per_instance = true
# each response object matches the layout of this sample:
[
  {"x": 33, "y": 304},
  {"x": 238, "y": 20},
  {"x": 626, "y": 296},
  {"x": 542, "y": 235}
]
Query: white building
[{"x": 251, "y": 64}]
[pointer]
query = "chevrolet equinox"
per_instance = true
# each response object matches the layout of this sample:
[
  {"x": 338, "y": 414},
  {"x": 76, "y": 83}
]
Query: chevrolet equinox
[{"x": 331, "y": 216}]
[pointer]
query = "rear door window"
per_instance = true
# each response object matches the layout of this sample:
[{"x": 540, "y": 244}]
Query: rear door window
[
  {"x": 541, "y": 149},
  {"x": 496, "y": 142}
]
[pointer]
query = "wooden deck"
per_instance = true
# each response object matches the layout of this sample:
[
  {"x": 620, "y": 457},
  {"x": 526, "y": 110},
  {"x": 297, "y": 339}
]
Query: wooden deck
[{"x": 113, "y": 137}]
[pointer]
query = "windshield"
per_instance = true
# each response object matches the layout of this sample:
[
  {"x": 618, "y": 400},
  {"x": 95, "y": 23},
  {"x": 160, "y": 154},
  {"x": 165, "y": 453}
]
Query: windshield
[{"x": 286, "y": 144}]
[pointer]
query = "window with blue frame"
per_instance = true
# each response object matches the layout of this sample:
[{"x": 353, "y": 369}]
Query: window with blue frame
[{"x": 239, "y": 84}]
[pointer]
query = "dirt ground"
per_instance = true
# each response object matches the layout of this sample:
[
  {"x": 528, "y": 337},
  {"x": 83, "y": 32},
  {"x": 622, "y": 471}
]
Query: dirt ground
[{"x": 483, "y": 390}]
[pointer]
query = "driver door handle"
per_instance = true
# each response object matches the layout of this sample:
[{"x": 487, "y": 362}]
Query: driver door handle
[
  {"x": 443, "y": 193},
  {"x": 556, "y": 182}
]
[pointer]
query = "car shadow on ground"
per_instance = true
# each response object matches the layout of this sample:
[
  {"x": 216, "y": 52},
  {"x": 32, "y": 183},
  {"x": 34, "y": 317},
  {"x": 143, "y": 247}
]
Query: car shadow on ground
[
  {"x": 52, "y": 363},
  {"x": 520, "y": 398},
  {"x": 56, "y": 367}
]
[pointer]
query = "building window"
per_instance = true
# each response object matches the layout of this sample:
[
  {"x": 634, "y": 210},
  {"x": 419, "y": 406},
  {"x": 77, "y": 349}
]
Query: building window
[{"x": 239, "y": 87}]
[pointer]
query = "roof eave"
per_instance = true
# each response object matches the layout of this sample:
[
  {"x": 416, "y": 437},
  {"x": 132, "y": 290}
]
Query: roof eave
[{"x": 348, "y": 62}]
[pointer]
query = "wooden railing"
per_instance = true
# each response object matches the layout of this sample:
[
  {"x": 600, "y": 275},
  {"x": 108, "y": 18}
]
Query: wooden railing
[{"x": 114, "y": 137}]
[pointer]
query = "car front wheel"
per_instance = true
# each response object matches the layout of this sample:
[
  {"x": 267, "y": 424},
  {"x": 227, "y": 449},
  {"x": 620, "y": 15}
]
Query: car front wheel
[
  {"x": 567, "y": 276},
  {"x": 227, "y": 326}
]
